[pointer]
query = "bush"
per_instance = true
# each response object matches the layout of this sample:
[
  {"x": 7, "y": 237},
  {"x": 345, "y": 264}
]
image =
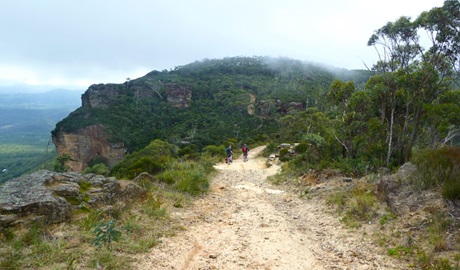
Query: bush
[
  {"x": 358, "y": 204},
  {"x": 302, "y": 147},
  {"x": 213, "y": 150},
  {"x": 189, "y": 152},
  {"x": 439, "y": 167},
  {"x": 284, "y": 155},
  {"x": 152, "y": 159},
  {"x": 100, "y": 169},
  {"x": 186, "y": 176},
  {"x": 269, "y": 149},
  {"x": 351, "y": 166}
]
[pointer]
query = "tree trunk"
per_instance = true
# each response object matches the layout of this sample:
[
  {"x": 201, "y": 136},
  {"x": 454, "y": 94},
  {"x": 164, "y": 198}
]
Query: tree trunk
[
  {"x": 413, "y": 134},
  {"x": 390, "y": 137}
]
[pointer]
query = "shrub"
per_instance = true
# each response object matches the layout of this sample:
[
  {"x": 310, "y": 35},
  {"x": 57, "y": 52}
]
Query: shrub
[
  {"x": 351, "y": 166},
  {"x": 106, "y": 233},
  {"x": 59, "y": 163},
  {"x": 302, "y": 147},
  {"x": 439, "y": 167},
  {"x": 100, "y": 169},
  {"x": 362, "y": 206},
  {"x": 189, "y": 152},
  {"x": 284, "y": 155},
  {"x": 152, "y": 159},
  {"x": 358, "y": 204},
  {"x": 214, "y": 151},
  {"x": 186, "y": 176},
  {"x": 269, "y": 149}
]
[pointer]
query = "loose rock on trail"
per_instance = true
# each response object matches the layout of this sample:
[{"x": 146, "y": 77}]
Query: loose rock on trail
[{"x": 244, "y": 222}]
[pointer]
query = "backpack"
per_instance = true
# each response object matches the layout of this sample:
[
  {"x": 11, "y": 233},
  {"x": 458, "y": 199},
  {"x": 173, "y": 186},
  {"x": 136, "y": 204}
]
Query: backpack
[{"x": 245, "y": 149}]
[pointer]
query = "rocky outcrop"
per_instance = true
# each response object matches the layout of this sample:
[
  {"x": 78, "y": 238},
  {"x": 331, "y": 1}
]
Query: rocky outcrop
[
  {"x": 269, "y": 108},
  {"x": 102, "y": 95},
  {"x": 402, "y": 196},
  {"x": 89, "y": 143},
  {"x": 50, "y": 197},
  {"x": 178, "y": 96}
]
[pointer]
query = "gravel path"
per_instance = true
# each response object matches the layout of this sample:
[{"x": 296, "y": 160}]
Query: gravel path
[{"x": 246, "y": 223}]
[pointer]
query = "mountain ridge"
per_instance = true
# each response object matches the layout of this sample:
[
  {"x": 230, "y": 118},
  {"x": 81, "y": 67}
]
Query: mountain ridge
[{"x": 201, "y": 103}]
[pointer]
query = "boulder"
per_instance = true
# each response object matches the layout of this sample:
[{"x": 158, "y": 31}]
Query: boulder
[{"x": 50, "y": 197}]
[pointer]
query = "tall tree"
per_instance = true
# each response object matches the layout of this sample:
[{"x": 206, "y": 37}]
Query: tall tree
[{"x": 410, "y": 78}]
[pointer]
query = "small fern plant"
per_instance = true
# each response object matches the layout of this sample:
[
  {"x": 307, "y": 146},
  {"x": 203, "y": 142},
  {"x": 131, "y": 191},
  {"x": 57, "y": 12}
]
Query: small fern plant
[{"x": 106, "y": 233}]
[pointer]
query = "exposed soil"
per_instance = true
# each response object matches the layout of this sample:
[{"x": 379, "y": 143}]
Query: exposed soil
[{"x": 247, "y": 223}]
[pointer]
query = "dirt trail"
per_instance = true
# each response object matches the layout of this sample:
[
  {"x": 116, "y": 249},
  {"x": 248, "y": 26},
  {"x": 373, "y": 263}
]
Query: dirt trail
[{"x": 246, "y": 223}]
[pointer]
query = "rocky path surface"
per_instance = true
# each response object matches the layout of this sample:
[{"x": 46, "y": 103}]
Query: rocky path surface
[{"x": 246, "y": 223}]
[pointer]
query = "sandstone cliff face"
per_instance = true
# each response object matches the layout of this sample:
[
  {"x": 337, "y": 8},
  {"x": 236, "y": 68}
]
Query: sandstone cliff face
[
  {"x": 102, "y": 95},
  {"x": 87, "y": 144},
  {"x": 178, "y": 96}
]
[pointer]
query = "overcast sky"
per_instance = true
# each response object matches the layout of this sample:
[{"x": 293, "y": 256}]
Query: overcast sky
[{"x": 76, "y": 43}]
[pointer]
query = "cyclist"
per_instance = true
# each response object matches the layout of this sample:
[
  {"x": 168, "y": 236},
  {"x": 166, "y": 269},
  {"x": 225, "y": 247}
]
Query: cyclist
[
  {"x": 229, "y": 152},
  {"x": 245, "y": 150}
]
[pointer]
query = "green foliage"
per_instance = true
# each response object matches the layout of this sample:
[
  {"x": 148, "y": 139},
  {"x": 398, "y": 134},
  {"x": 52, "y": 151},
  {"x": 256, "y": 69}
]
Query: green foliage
[
  {"x": 188, "y": 176},
  {"x": 399, "y": 251},
  {"x": 189, "y": 151},
  {"x": 33, "y": 236},
  {"x": 302, "y": 147},
  {"x": 358, "y": 204},
  {"x": 106, "y": 259},
  {"x": 151, "y": 159},
  {"x": 153, "y": 207},
  {"x": 90, "y": 220},
  {"x": 314, "y": 139},
  {"x": 7, "y": 234},
  {"x": 351, "y": 166},
  {"x": 362, "y": 206},
  {"x": 284, "y": 155},
  {"x": 60, "y": 163},
  {"x": 222, "y": 106},
  {"x": 84, "y": 185},
  {"x": 269, "y": 149},
  {"x": 99, "y": 169},
  {"x": 213, "y": 150},
  {"x": 438, "y": 231},
  {"x": 386, "y": 218},
  {"x": 106, "y": 233},
  {"x": 340, "y": 92},
  {"x": 439, "y": 167}
]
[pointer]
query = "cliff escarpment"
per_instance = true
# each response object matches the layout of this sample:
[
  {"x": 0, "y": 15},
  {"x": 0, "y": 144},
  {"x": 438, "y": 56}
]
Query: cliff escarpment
[
  {"x": 87, "y": 144},
  {"x": 202, "y": 103}
]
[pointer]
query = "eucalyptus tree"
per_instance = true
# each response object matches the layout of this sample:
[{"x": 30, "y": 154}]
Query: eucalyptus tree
[
  {"x": 408, "y": 77},
  {"x": 443, "y": 26}
]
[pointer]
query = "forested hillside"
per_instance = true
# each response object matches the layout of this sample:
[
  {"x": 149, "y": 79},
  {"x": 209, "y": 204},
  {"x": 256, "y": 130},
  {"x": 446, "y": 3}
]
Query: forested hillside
[{"x": 239, "y": 97}]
